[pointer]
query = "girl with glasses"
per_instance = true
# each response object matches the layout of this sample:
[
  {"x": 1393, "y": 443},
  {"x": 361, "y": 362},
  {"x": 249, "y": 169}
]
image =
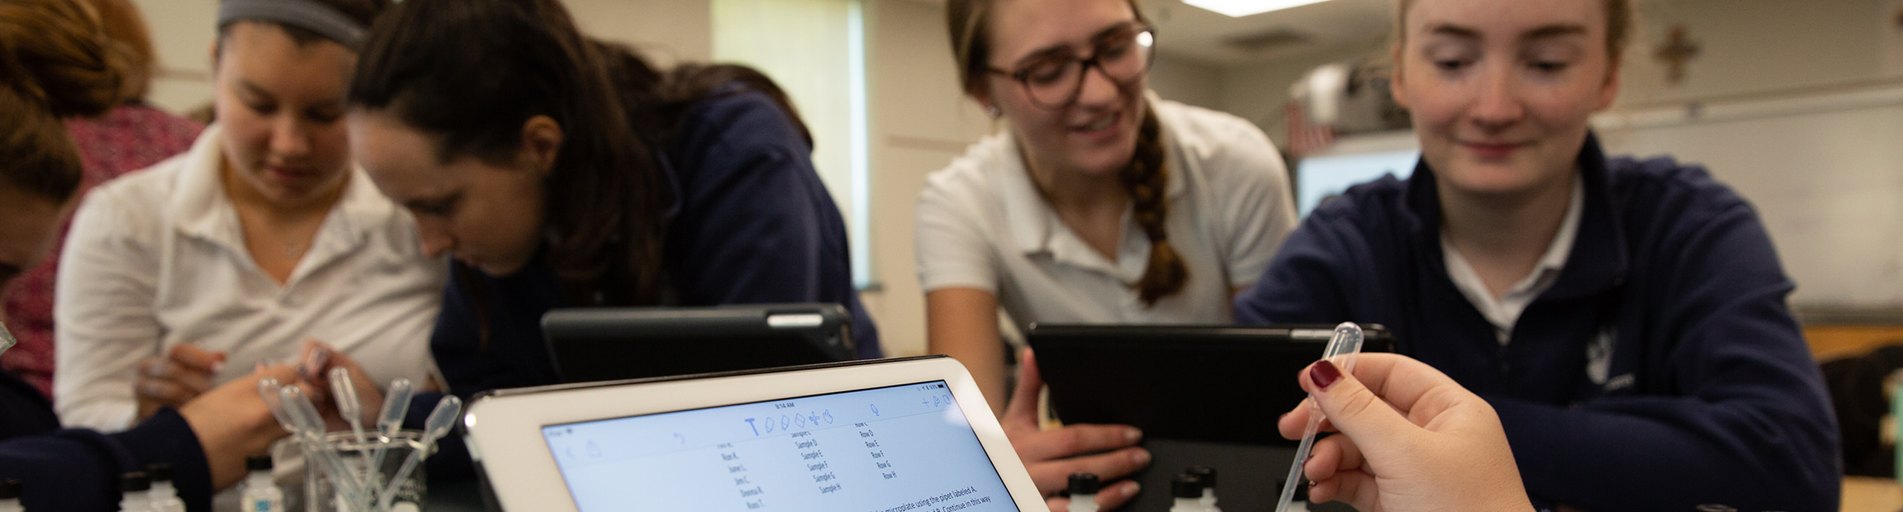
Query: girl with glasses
[
  {"x": 1101, "y": 203},
  {"x": 1625, "y": 317}
]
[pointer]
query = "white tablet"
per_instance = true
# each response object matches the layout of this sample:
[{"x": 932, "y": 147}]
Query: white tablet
[{"x": 903, "y": 435}]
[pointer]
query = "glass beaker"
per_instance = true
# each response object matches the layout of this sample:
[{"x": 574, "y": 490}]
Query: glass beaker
[{"x": 342, "y": 452}]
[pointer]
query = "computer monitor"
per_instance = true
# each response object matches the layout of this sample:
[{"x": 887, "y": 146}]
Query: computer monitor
[{"x": 1318, "y": 178}]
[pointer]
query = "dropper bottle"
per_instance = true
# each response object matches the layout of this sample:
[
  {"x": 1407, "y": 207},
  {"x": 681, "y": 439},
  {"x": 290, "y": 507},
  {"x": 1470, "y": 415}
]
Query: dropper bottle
[
  {"x": 1208, "y": 476},
  {"x": 10, "y": 496},
  {"x": 1083, "y": 492},
  {"x": 1188, "y": 493}
]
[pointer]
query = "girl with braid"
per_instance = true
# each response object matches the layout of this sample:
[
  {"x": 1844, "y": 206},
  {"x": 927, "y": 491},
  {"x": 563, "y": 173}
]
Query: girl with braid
[{"x": 1101, "y": 204}]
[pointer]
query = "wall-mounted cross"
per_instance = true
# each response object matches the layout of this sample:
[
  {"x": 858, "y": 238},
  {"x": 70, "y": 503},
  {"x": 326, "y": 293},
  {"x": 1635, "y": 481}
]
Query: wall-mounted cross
[{"x": 1676, "y": 53}]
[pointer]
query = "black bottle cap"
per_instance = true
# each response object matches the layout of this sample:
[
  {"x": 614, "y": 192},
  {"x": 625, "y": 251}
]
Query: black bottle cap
[
  {"x": 1084, "y": 483},
  {"x": 159, "y": 472},
  {"x": 10, "y": 488},
  {"x": 257, "y": 463},
  {"x": 1186, "y": 486},
  {"x": 1208, "y": 474},
  {"x": 134, "y": 482}
]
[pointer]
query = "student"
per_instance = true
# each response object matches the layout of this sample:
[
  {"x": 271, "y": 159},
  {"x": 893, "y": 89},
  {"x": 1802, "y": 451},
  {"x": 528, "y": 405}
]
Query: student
[
  {"x": 187, "y": 274},
  {"x": 55, "y": 67},
  {"x": 1101, "y": 203},
  {"x": 1626, "y": 318},
  {"x": 133, "y": 135},
  {"x": 585, "y": 179}
]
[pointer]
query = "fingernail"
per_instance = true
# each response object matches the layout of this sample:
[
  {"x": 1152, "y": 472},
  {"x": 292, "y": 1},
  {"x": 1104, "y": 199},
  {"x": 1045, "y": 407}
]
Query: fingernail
[
  {"x": 1325, "y": 374},
  {"x": 1132, "y": 435},
  {"x": 1132, "y": 489},
  {"x": 1141, "y": 457}
]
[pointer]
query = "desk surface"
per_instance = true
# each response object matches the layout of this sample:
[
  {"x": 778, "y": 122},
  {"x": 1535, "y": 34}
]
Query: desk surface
[{"x": 1868, "y": 494}]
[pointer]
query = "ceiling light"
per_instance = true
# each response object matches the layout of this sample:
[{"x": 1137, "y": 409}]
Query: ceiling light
[{"x": 1240, "y": 8}]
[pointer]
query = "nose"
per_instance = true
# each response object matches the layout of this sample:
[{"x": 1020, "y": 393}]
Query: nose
[
  {"x": 434, "y": 234},
  {"x": 1499, "y": 104},
  {"x": 290, "y": 137},
  {"x": 1098, "y": 89}
]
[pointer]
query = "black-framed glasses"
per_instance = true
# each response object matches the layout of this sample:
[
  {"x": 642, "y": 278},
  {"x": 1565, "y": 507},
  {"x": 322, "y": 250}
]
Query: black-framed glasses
[{"x": 1053, "y": 80}]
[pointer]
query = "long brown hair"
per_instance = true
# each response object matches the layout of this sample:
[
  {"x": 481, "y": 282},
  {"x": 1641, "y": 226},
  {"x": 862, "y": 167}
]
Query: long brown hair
[
  {"x": 1620, "y": 18},
  {"x": 1145, "y": 178},
  {"x": 53, "y": 64},
  {"x": 471, "y": 72}
]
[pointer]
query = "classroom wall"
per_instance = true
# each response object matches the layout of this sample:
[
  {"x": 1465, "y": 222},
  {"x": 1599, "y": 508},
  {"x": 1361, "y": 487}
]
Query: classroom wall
[{"x": 183, "y": 32}]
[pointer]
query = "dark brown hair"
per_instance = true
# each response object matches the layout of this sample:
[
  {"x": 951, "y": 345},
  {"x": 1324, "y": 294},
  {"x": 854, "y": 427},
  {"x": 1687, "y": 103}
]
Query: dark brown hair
[
  {"x": 53, "y": 64},
  {"x": 130, "y": 45},
  {"x": 470, "y": 73},
  {"x": 1145, "y": 178}
]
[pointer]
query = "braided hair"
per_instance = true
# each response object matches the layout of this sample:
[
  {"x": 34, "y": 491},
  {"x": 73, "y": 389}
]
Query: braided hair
[{"x": 1146, "y": 179}]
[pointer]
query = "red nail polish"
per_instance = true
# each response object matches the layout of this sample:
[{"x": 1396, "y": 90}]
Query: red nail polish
[{"x": 1324, "y": 374}]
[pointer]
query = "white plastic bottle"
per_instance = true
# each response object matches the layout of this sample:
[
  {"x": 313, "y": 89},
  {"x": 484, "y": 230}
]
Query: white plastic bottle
[
  {"x": 1083, "y": 492},
  {"x": 261, "y": 493},
  {"x": 164, "y": 496},
  {"x": 1188, "y": 493},
  {"x": 10, "y": 496},
  {"x": 132, "y": 490},
  {"x": 1208, "y": 476}
]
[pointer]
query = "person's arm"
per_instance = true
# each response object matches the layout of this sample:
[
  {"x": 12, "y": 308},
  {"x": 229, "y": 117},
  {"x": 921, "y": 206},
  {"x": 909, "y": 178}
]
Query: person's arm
[
  {"x": 104, "y": 319},
  {"x": 1743, "y": 418},
  {"x": 205, "y": 443},
  {"x": 1311, "y": 277},
  {"x": 963, "y": 323}
]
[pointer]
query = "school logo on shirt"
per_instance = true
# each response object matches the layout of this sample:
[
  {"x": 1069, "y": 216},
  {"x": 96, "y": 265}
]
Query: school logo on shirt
[{"x": 1599, "y": 362}]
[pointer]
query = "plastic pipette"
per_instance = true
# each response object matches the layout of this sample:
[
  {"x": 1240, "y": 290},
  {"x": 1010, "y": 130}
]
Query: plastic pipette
[
  {"x": 435, "y": 426},
  {"x": 1341, "y": 351}
]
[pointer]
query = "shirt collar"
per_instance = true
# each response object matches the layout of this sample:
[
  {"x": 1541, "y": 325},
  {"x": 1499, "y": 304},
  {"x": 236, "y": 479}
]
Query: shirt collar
[
  {"x": 200, "y": 207},
  {"x": 1036, "y": 223},
  {"x": 1596, "y": 257}
]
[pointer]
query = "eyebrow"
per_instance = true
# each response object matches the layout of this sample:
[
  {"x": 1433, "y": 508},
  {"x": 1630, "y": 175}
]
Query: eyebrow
[
  {"x": 428, "y": 203},
  {"x": 1543, "y": 32},
  {"x": 1063, "y": 48},
  {"x": 255, "y": 89}
]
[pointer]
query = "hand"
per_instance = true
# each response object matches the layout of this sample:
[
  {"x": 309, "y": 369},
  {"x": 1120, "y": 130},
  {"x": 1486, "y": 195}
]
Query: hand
[
  {"x": 1052, "y": 455},
  {"x": 232, "y": 423},
  {"x": 171, "y": 380},
  {"x": 1413, "y": 440},
  {"x": 318, "y": 359}
]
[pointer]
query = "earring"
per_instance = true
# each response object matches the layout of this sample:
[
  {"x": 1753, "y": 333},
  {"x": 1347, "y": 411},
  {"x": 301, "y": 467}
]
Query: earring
[{"x": 993, "y": 111}]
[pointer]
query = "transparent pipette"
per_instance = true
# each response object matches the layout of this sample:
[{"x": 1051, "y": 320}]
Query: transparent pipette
[{"x": 1342, "y": 348}]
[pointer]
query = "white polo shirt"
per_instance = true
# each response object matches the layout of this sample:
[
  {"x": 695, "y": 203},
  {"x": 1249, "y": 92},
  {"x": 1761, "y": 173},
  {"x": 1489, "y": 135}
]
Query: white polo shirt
[
  {"x": 157, "y": 258},
  {"x": 983, "y": 225},
  {"x": 1504, "y": 312}
]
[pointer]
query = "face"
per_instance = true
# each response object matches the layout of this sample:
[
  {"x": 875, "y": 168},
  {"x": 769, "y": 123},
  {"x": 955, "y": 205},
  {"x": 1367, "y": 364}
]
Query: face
[
  {"x": 29, "y": 224},
  {"x": 281, "y": 106},
  {"x": 1501, "y": 90},
  {"x": 1097, "y": 133},
  {"x": 488, "y": 216}
]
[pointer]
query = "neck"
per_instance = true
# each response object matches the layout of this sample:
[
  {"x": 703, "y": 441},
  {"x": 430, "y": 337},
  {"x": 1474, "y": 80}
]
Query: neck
[
  {"x": 1069, "y": 190},
  {"x": 1512, "y": 227},
  {"x": 248, "y": 198}
]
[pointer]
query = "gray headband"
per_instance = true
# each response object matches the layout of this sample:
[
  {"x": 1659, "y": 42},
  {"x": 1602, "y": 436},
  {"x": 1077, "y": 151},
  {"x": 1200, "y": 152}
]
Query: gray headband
[{"x": 305, "y": 14}]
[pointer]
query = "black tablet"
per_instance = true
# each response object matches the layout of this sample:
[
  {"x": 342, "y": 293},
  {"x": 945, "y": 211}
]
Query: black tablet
[
  {"x": 598, "y": 344},
  {"x": 1203, "y": 395}
]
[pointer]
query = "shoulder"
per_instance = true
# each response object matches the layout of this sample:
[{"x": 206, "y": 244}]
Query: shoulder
[
  {"x": 139, "y": 196},
  {"x": 1228, "y": 151},
  {"x": 740, "y": 120},
  {"x": 968, "y": 185},
  {"x": 1374, "y": 209},
  {"x": 1662, "y": 190}
]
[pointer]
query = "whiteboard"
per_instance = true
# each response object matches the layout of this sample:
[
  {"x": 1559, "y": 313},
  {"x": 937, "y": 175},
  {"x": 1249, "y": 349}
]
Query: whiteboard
[{"x": 1824, "y": 171}]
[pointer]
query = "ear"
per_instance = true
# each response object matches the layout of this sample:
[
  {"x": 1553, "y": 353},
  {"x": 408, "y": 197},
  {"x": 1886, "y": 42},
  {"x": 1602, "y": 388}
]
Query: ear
[
  {"x": 1395, "y": 88},
  {"x": 981, "y": 95},
  {"x": 1609, "y": 90},
  {"x": 541, "y": 143}
]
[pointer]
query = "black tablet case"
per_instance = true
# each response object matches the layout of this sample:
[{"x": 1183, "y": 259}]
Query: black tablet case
[
  {"x": 1203, "y": 395},
  {"x": 599, "y": 344}
]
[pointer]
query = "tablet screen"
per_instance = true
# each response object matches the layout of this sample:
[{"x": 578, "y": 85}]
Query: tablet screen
[{"x": 894, "y": 449}]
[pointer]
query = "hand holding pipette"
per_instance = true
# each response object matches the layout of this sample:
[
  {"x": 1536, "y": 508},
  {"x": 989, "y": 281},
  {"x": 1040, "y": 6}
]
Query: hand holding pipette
[
  {"x": 1341, "y": 351},
  {"x": 1437, "y": 445}
]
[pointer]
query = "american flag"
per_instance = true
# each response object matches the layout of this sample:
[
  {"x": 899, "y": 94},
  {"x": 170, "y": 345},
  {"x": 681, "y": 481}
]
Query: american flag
[{"x": 1305, "y": 137}]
